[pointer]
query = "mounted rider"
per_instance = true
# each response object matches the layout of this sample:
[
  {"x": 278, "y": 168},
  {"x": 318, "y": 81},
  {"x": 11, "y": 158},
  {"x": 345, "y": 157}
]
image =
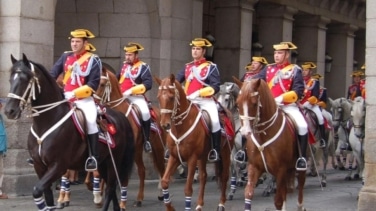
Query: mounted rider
[
  {"x": 82, "y": 71},
  {"x": 286, "y": 83},
  {"x": 311, "y": 97},
  {"x": 135, "y": 80},
  {"x": 252, "y": 69},
  {"x": 358, "y": 87},
  {"x": 202, "y": 81}
]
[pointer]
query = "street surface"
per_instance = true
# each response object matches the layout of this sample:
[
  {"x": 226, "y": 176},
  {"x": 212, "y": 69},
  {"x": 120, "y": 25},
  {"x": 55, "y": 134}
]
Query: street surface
[{"x": 339, "y": 195}]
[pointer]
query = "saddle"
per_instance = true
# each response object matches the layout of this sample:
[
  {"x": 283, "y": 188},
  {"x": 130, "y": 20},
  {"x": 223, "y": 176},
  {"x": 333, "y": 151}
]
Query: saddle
[
  {"x": 227, "y": 129},
  {"x": 106, "y": 128},
  {"x": 136, "y": 116}
]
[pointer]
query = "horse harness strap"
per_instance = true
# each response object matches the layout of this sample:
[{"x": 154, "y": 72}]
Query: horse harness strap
[
  {"x": 262, "y": 147},
  {"x": 178, "y": 140},
  {"x": 40, "y": 139}
]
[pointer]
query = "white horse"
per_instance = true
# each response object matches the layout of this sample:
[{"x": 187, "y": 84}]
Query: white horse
[
  {"x": 341, "y": 112},
  {"x": 315, "y": 150},
  {"x": 357, "y": 133}
]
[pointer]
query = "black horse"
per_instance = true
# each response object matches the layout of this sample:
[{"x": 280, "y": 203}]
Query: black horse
[{"x": 54, "y": 142}]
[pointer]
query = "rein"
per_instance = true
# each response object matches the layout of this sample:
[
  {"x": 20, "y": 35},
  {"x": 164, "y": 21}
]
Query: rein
[
  {"x": 268, "y": 124},
  {"x": 106, "y": 97},
  {"x": 25, "y": 102},
  {"x": 182, "y": 116}
]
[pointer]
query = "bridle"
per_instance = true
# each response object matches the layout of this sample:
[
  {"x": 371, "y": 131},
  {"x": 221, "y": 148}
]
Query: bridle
[
  {"x": 267, "y": 124},
  {"x": 106, "y": 96}
]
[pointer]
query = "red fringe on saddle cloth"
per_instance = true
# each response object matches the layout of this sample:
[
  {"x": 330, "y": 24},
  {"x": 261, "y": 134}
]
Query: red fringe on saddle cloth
[{"x": 227, "y": 125}]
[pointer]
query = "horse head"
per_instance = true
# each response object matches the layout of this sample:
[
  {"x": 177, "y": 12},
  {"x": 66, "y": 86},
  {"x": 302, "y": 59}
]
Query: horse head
[
  {"x": 358, "y": 113},
  {"x": 227, "y": 95},
  {"x": 253, "y": 96},
  {"x": 340, "y": 109},
  {"x": 108, "y": 91},
  {"x": 26, "y": 79}
]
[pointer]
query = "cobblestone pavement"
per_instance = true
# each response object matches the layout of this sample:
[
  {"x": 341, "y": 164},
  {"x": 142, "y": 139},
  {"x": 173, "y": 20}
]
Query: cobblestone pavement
[{"x": 339, "y": 195}]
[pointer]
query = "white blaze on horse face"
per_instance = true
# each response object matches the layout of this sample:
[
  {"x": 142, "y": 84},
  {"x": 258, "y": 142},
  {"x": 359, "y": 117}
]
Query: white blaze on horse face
[
  {"x": 246, "y": 128},
  {"x": 15, "y": 76}
]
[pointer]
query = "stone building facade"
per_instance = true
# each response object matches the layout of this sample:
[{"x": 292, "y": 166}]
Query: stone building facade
[{"x": 331, "y": 33}]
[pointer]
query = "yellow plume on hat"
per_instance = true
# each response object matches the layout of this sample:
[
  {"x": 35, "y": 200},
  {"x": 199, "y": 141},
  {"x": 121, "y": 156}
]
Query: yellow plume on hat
[
  {"x": 308, "y": 65},
  {"x": 357, "y": 73},
  {"x": 285, "y": 46},
  {"x": 363, "y": 67},
  {"x": 248, "y": 66},
  {"x": 90, "y": 47},
  {"x": 200, "y": 42},
  {"x": 259, "y": 59},
  {"x": 132, "y": 47},
  {"x": 81, "y": 33}
]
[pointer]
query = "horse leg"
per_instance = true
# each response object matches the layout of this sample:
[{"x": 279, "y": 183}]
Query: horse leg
[
  {"x": 188, "y": 185},
  {"x": 63, "y": 187},
  {"x": 172, "y": 164},
  {"x": 233, "y": 170},
  {"x": 301, "y": 182},
  {"x": 280, "y": 196},
  {"x": 223, "y": 174},
  {"x": 253, "y": 175},
  {"x": 97, "y": 191},
  {"x": 158, "y": 157},
  {"x": 140, "y": 170},
  {"x": 88, "y": 183}
]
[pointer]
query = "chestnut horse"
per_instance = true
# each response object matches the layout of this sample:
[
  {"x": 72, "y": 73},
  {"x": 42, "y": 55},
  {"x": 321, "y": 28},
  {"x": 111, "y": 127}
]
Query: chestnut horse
[
  {"x": 110, "y": 94},
  {"x": 55, "y": 143},
  {"x": 272, "y": 143},
  {"x": 188, "y": 141}
]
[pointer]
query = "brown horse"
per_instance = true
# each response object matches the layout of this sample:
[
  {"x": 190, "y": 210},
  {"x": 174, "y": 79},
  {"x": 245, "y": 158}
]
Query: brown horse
[
  {"x": 271, "y": 142},
  {"x": 110, "y": 94},
  {"x": 188, "y": 141}
]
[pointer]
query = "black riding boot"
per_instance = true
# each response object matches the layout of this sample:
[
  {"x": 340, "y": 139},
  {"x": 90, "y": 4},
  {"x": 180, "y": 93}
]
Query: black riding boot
[
  {"x": 322, "y": 134},
  {"x": 240, "y": 155},
  {"x": 91, "y": 162},
  {"x": 216, "y": 141},
  {"x": 146, "y": 129},
  {"x": 301, "y": 163}
]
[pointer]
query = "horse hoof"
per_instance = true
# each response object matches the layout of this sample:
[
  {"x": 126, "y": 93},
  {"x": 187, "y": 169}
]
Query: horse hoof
[
  {"x": 356, "y": 176},
  {"x": 342, "y": 168},
  {"x": 230, "y": 197},
  {"x": 347, "y": 178},
  {"x": 60, "y": 205},
  {"x": 98, "y": 205},
  {"x": 137, "y": 204},
  {"x": 220, "y": 208},
  {"x": 323, "y": 184},
  {"x": 66, "y": 203},
  {"x": 160, "y": 198},
  {"x": 265, "y": 194}
]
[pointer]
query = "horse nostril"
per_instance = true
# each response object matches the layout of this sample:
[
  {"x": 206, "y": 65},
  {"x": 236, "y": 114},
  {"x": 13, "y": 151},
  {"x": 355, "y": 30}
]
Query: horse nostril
[{"x": 166, "y": 126}]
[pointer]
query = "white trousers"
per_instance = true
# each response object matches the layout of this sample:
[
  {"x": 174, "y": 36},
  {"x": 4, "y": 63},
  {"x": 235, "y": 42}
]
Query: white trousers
[
  {"x": 141, "y": 103},
  {"x": 293, "y": 110},
  {"x": 87, "y": 105},
  {"x": 209, "y": 105},
  {"x": 316, "y": 110}
]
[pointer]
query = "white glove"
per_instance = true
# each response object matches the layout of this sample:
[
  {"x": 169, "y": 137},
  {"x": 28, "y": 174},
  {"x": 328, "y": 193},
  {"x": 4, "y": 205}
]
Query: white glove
[
  {"x": 194, "y": 95},
  {"x": 307, "y": 105},
  {"x": 279, "y": 100},
  {"x": 127, "y": 93},
  {"x": 69, "y": 95}
]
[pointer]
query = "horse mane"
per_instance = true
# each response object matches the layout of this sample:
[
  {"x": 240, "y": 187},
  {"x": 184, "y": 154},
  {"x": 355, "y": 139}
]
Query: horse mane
[
  {"x": 113, "y": 80},
  {"x": 259, "y": 85}
]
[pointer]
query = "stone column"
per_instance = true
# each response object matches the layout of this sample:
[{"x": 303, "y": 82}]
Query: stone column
[
  {"x": 367, "y": 195},
  {"x": 275, "y": 25},
  {"x": 340, "y": 46},
  {"x": 28, "y": 27},
  {"x": 312, "y": 28},
  {"x": 233, "y": 30}
]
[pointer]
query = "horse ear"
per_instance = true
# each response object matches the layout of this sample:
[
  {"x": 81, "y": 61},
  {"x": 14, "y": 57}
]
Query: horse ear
[
  {"x": 172, "y": 78},
  {"x": 13, "y": 59},
  {"x": 237, "y": 81},
  {"x": 158, "y": 80},
  {"x": 25, "y": 60}
]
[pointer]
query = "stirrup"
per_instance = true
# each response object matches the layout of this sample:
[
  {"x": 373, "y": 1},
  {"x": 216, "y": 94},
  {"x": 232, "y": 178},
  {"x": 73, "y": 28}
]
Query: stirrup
[
  {"x": 322, "y": 143},
  {"x": 88, "y": 162},
  {"x": 240, "y": 156},
  {"x": 211, "y": 153},
  {"x": 167, "y": 154},
  {"x": 301, "y": 167}
]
